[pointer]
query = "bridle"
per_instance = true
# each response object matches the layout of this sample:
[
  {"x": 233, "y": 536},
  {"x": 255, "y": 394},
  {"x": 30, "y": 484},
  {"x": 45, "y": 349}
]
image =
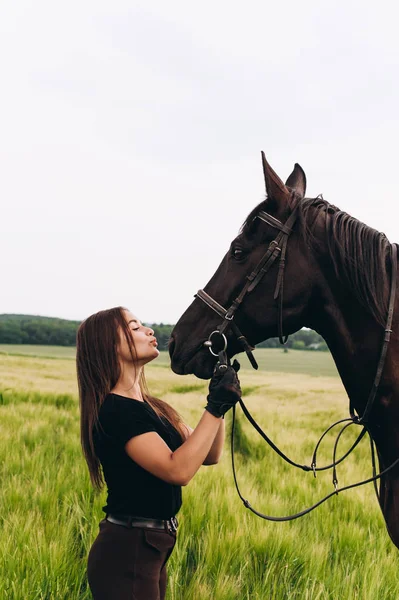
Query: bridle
[
  {"x": 217, "y": 344},
  {"x": 276, "y": 249}
]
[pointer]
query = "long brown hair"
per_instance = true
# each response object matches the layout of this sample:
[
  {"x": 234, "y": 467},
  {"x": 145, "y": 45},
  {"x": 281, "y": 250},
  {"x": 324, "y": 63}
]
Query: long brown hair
[{"x": 98, "y": 371}]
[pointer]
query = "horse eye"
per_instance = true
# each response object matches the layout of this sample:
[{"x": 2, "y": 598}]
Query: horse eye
[{"x": 238, "y": 253}]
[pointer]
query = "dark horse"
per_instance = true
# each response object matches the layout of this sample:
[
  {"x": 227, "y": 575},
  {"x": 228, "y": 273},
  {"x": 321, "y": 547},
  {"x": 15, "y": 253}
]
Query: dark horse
[{"x": 336, "y": 281}]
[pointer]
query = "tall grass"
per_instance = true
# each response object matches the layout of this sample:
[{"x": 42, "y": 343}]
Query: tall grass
[{"x": 49, "y": 513}]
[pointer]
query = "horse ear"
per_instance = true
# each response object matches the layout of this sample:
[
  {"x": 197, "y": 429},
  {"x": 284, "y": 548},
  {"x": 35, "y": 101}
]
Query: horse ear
[
  {"x": 297, "y": 181},
  {"x": 275, "y": 188}
]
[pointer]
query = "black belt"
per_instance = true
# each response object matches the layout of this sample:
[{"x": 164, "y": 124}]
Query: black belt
[{"x": 169, "y": 525}]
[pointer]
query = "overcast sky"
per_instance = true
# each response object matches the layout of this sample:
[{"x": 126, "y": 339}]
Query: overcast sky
[{"x": 130, "y": 138}]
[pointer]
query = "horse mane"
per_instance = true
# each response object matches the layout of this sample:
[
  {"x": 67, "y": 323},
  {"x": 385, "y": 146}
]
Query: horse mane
[{"x": 358, "y": 252}]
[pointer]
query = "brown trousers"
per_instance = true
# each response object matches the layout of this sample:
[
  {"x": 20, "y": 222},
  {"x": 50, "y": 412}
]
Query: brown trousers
[{"x": 129, "y": 564}]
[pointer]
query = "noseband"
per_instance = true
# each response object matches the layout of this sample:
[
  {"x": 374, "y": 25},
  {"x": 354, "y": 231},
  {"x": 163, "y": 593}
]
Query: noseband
[{"x": 276, "y": 249}]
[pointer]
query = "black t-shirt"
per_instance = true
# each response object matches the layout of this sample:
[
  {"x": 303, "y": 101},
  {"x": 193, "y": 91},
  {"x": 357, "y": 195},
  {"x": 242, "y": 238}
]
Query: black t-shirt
[{"x": 131, "y": 489}]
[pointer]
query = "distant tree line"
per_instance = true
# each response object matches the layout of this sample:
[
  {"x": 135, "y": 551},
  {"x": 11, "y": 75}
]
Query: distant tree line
[
  {"x": 28, "y": 329},
  {"x": 304, "y": 339}
]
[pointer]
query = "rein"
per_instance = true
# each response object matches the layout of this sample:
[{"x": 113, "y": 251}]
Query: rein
[{"x": 217, "y": 341}]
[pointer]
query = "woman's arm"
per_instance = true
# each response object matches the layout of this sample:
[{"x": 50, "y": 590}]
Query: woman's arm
[
  {"x": 214, "y": 454},
  {"x": 153, "y": 454},
  {"x": 150, "y": 451}
]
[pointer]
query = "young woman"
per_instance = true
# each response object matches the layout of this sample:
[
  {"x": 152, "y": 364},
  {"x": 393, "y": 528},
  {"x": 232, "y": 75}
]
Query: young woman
[{"x": 142, "y": 449}]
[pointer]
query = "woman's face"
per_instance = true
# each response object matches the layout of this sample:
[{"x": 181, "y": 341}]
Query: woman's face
[{"x": 144, "y": 340}]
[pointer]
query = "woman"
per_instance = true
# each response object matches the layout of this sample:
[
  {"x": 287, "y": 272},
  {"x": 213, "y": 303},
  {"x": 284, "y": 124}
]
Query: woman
[{"x": 142, "y": 449}]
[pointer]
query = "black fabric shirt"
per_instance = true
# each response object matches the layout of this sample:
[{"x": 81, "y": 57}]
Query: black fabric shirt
[{"x": 131, "y": 489}]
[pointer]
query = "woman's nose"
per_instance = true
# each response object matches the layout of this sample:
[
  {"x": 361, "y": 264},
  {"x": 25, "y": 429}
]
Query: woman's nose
[{"x": 150, "y": 331}]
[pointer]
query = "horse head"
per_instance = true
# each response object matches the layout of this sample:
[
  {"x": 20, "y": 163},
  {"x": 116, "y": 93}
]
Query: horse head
[{"x": 257, "y": 315}]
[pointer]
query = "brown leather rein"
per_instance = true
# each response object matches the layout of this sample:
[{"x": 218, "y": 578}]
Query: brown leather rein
[{"x": 218, "y": 341}]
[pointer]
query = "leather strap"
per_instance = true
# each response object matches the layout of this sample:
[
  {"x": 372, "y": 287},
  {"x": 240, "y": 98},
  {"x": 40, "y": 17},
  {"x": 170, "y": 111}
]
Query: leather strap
[
  {"x": 222, "y": 312},
  {"x": 129, "y": 522},
  {"x": 247, "y": 504},
  {"x": 209, "y": 301},
  {"x": 270, "y": 220}
]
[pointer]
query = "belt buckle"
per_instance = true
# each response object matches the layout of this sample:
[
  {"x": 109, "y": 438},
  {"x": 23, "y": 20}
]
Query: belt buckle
[{"x": 172, "y": 525}]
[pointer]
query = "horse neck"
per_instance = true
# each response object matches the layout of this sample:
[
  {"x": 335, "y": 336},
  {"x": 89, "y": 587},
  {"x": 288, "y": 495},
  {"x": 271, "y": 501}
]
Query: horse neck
[{"x": 353, "y": 336}]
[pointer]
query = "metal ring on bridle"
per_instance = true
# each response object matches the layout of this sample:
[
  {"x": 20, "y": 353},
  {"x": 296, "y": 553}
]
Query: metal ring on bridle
[{"x": 214, "y": 343}]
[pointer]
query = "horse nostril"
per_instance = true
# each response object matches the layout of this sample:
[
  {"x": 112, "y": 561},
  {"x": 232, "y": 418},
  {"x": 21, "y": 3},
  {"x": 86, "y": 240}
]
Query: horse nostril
[{"x": 172, "y": 344}]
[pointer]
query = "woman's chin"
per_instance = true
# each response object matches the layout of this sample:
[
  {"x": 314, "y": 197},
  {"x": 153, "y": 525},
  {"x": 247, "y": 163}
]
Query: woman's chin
[
  {"x": 155, "y": 354},
  {"x": 144, "y": 360}
]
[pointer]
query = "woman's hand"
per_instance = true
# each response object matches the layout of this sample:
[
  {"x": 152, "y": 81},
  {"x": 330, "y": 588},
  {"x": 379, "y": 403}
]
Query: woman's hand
[{"x": 224, "y": 390}]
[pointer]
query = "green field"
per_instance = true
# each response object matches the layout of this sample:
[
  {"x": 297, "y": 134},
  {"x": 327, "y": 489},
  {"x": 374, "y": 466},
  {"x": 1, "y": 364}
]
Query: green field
[
  {"x": 49, "y": 513},
  {"x": 293, "y": 361},
  {"x": 42, "y": 351}
]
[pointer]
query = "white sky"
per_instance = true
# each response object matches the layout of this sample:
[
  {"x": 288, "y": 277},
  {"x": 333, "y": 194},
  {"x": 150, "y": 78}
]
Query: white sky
[{"x": 130, "y": 138}]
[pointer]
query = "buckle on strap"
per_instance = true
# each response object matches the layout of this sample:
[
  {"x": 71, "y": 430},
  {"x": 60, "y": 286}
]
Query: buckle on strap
[{"x": 172, "y": 524}]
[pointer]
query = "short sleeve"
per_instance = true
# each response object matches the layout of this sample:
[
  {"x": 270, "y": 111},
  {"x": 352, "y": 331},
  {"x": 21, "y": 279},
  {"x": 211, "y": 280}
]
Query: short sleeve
[{"x": 123, "y": 419}]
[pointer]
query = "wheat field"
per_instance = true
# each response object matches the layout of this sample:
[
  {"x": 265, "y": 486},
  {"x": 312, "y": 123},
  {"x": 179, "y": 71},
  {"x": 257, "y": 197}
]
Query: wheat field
[{"x": 49, "y": 513}]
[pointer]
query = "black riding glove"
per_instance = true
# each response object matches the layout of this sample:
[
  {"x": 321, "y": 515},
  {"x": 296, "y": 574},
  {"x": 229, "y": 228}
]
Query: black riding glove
[{"x": 224, "y": 390}]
